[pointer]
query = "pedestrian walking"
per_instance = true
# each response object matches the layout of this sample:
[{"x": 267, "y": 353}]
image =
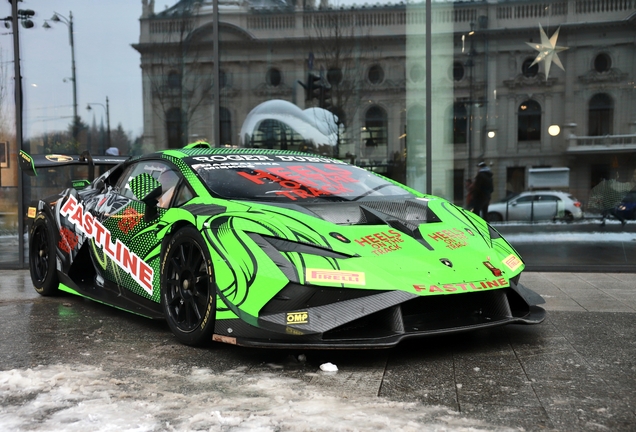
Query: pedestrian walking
[{"x": 482, "y": 190}]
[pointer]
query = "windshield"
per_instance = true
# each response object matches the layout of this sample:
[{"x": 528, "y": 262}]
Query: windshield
[{"x": 286, "y": 178}]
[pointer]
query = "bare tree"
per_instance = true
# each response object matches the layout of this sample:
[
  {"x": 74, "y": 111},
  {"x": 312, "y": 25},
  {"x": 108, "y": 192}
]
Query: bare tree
[
  {"x": 178, "y": 71},
  {"x": 340, "y": 55}
]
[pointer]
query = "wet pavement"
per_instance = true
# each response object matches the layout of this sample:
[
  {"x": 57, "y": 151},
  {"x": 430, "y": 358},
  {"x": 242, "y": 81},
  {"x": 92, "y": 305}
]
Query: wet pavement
[{"x": 67, "y": 363}]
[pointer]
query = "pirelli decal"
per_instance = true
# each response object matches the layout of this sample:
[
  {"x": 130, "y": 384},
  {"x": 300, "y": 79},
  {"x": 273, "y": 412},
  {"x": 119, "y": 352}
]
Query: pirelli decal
[
  {"x": 335, "y": 276},
  {"x": 512, "y": 262}
]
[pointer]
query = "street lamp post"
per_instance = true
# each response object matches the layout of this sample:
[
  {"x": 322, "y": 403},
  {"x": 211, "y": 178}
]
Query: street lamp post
[
  {"x": 16, "y": 16},
  {"x": 69, "y": 23},
  {"x": 88, "y": 107}
]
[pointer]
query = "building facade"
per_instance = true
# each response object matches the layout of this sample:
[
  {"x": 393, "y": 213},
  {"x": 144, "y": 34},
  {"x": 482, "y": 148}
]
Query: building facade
[{"x": 490, "y": 100}]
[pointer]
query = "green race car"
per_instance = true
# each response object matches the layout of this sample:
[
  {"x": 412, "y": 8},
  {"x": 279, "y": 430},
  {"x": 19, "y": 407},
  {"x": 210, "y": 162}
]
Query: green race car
[{"x": 271, "y": 248}]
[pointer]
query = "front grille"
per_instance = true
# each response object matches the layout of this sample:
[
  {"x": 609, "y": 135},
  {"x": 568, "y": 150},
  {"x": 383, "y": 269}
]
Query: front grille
[{"x": 436, "y": 314}]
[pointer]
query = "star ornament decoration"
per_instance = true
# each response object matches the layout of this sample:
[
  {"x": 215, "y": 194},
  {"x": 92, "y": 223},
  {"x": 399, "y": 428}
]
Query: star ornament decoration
[{"x": 548, "y": 51}]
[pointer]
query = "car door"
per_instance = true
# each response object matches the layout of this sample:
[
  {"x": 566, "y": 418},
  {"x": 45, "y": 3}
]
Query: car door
[
  {"x": 520, "y": 208},
  {"x": 547, "y": 207},
  {"x": 130, "y": 249}
]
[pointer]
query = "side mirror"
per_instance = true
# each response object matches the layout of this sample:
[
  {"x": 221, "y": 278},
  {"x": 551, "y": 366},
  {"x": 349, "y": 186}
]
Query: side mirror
[{"x": 147, "y": 189}]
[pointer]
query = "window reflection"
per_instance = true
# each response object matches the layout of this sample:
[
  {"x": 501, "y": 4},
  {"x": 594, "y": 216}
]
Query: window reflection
[
  {"x": 488, "y": 98},
  {"x": 600, "y": 115},
  {"x": 529, "y": 119}
]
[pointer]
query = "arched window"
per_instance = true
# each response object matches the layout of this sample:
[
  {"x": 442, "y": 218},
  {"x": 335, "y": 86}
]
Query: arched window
[
  {"x": 529, "y": 121},
  {"x": 334, "y": 75},
  {"x": 460, "y": 123},
  {"x": 226, "y": 126},
  {"x": 174, "y": 80},
  {"x": 458, "y": 71},
  {"x": 375, "y": 74},
  {"x": 273, "y": 77},
  {"x": 415, "y": 130},
  {"x": 600, "y": 115},
  {"x": 174, "y": 128},
  {"x": 528, "y": 69},
  {"x": 375, "y": 133}
]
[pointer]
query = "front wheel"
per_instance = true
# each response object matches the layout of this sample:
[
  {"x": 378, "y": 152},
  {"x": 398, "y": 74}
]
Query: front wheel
[
  {"x": 42, "y": 256},
  {"x": 188, "y": 295}
]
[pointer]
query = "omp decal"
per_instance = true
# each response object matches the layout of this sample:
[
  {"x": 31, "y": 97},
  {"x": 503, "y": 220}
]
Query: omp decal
[
  {"x": 58, "y": 158},
  {"x": 338, "y": 276},
  {"x": 31, "y": 212},
  {"x": 68, "y": 240},
  {"x": 468, "y": 286},
  {"x": 382, "y": 242},
  {"x": 512, "y": 262},
  {"x": 129, "y": 220},
  {"x": 126, "y": 259},
  {"x": 454, "y": 238},
  {"x": 298, "y": 317}
]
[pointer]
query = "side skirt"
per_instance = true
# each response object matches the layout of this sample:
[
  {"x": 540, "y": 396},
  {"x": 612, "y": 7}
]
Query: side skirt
[{"x": 113, "y": 295}]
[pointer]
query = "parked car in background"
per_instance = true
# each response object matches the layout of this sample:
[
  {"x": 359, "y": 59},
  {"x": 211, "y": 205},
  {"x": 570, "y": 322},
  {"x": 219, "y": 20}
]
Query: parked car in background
[
  {"x": 536, "y": 205},
  {"x": 627, "y": 207}
]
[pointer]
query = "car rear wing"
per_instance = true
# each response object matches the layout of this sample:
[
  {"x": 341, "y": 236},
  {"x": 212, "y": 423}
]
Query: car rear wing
[{"x": 30, "y": 163}]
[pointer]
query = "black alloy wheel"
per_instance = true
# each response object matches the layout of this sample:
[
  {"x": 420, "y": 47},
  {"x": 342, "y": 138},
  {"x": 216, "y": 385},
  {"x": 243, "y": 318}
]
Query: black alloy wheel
[
  {"x": 188, "y": 294},
  {"x": 42, "y": 256}
]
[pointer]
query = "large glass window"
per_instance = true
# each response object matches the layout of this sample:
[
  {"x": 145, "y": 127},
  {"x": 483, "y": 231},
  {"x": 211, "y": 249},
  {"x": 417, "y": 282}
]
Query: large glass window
[
  {"x": 174, "y": 128},
  {"x": 346, "y": 80},
  {"x": 600, "y": 115},
  {"x": 529, "y": 120},
  {"x": 375, "y": 135}
]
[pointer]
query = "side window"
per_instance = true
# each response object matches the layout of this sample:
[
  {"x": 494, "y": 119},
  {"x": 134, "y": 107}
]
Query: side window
[
  {"x": 169, "y": 180},
  {"x": 184, "y": 195},
  {"x": 525, "y": 199},
  {"x": 546, "y": 198},
  {"x": 163, "y": 172}
]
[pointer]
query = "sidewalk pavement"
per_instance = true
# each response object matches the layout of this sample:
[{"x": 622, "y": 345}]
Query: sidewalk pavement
[{"x": 575, "y": 371}]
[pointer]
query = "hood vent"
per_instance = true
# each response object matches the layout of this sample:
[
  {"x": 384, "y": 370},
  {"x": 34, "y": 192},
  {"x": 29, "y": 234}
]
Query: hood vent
[{"x": 409, "y": 213}]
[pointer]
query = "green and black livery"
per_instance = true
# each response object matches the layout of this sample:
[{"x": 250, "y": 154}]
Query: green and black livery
[{"x": 274, "y": 249}]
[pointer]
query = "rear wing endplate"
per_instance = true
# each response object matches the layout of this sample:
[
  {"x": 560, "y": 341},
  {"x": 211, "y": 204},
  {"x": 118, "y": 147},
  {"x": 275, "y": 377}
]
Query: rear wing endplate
[{"x": 30, "y": 163}]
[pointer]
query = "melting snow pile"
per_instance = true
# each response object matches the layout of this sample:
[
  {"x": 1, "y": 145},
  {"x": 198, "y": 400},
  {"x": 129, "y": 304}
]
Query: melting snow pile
[{"x": 81, "y": 398}]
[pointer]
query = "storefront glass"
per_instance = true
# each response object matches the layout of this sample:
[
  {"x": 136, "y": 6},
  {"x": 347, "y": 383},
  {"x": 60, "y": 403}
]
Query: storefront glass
[{"x": 539, "y": 93}]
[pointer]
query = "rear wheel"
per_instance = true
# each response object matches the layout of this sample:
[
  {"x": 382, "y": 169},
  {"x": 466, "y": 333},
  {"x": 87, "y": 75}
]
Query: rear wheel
[
  {"x": 42, "y": 256},
  {"x": 568, "y": 217},
  {"x": 188, "y": 294}
]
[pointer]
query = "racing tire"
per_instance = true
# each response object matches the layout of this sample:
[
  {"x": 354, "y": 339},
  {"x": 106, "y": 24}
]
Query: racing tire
[
  {"x": 42, "y": 256},
  {"x": 494, "y": 217},
  {"x": 188, "y": 289}
]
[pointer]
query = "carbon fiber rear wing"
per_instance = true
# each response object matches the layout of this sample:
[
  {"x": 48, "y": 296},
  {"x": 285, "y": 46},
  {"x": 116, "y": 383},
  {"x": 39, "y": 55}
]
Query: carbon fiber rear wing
[{"x": 29, "y": 163}]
